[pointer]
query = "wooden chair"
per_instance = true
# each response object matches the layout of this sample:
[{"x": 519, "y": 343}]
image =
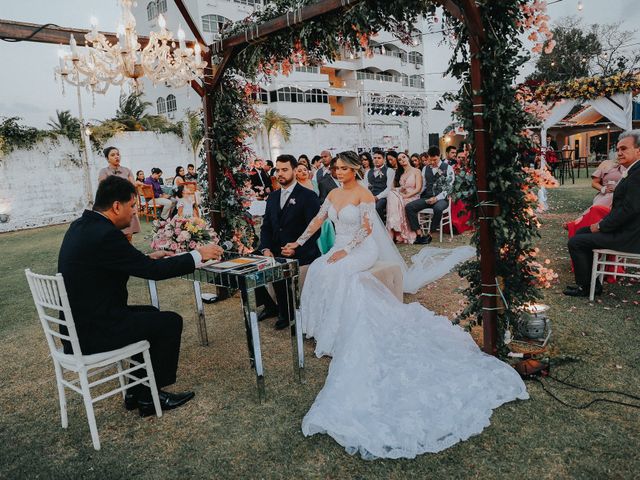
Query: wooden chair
[
  {"x": 50, "y": 297},
  {"x": 147, "y": 201},
  {"x": 582, "y": 161}
]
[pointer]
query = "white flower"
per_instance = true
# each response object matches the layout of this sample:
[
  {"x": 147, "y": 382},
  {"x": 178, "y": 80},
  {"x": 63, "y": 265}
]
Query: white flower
[
  {"x": 292, "y": 201},
  {"x": 625, "y": 173}
]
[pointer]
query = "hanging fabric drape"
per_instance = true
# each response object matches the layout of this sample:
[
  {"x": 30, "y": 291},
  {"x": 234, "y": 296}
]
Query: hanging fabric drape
[{"x": 617, "y": 108}]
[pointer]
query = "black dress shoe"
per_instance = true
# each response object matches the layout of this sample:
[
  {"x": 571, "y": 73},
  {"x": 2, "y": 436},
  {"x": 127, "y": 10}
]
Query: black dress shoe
[
  {"x": 424, "y": 240},
  {"x": 267, "y": 313},
  {"x": 168, "y": 401},
  {"x": 281, "y": 324},
  {"x": 581, "y": 291},
  {"x": 130, "y": 401}
]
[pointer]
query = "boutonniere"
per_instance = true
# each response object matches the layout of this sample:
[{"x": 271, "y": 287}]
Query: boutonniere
[
  {"x": 292, "y": 201},
  {"x": 625, "y": 173}
]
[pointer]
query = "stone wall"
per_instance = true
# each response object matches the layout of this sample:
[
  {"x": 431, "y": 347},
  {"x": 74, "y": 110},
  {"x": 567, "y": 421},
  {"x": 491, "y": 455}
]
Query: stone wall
[{"x": 46, "y": 185}]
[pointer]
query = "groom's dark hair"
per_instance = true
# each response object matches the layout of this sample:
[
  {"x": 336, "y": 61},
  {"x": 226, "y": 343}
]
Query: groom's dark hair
[
  {"x": 288, "y": 159},
  {"x": 113, "y": 189}
]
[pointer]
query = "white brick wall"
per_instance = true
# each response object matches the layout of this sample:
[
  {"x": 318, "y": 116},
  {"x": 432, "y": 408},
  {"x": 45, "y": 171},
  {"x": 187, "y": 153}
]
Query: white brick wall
[{"x": 45, "y": 185}]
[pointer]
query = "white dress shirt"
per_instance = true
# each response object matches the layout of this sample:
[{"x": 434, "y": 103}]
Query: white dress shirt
[
  {"x": 391, "y": 173},
  {"x": 450, "y": 179},
  {"x": 285, "y": 193}
]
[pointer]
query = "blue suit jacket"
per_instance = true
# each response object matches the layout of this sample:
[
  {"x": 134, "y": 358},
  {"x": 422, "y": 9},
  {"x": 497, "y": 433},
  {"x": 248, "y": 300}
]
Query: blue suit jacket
[{"x": 282, "y": 226}]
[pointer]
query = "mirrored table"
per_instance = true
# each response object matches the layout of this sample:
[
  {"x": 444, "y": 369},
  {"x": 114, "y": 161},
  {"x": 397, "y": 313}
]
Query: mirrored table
[{"x": 247, "y": 278}]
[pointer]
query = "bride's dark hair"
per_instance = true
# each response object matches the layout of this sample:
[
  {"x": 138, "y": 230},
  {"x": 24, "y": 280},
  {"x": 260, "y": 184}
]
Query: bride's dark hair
[{"x": 353, "y": 161}]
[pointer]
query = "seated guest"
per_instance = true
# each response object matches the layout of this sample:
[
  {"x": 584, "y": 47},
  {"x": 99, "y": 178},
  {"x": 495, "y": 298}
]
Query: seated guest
[
  {"x": 462, "y": 162},
  {"x": 407, "y": 186},
  {"x": 450, "y": 155},
  {"x": 268, "y": 167},
  {"x": 303, "y": 177},
  {"x": 260, "y": 180},
  {"x": 162, "y": 198},
  {"x": 367, "y": 163},
  {"x": 325, "y": 168},
  {"x": 316, "y": 164},
  {"x": 438, "y": 177},
  {"x": 328, "y": 182},
  {"x": 620, "y": 229},
  {"x": 415, "y": 161},
  {"x": 380, "y": 182},
  {"x": 192, "y": 175},
  {"x": 139, "y": 178},
  {"x": 180, "y": 177},
  {"x": 392, "y": 159},
  {"x": 303, "y": 159},
  {"x": 186, "y": 202},
  {"x": 96, "y": 262}
]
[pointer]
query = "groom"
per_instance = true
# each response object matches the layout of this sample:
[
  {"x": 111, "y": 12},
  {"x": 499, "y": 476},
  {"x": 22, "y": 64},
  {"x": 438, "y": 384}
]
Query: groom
[{"x": 289, "y": 210}]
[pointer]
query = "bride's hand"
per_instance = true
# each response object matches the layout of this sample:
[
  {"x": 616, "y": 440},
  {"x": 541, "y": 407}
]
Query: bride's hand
[{"x": 339, "y": 255}]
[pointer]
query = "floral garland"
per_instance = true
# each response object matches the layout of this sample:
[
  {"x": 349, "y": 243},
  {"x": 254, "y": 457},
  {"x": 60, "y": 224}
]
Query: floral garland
[
  {"x": 326, "y": 38},
  {"x": 588, "y": 88}
]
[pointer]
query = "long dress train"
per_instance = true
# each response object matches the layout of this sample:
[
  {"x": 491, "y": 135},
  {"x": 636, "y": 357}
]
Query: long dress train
[{"x": 403, "y": 381}]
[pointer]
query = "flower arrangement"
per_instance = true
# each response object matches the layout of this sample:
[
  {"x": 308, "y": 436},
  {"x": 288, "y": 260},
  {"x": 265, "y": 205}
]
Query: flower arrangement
[
  {"x": 588, "y": 88},
  {"x": 181, "y": 234}
]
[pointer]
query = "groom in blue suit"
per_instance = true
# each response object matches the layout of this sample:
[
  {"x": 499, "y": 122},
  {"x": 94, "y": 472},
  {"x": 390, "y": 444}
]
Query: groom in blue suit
[{"x": 289, "y": 210}]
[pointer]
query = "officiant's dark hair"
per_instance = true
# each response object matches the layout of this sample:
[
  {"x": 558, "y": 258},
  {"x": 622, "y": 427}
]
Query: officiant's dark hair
[
  {"x": 288, "y": 159},
  {"x": 107, "y": 151},
  {"x": 113, "y": 189}
]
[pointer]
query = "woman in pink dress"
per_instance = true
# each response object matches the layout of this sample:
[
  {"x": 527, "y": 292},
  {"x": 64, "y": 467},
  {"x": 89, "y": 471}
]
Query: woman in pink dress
[
  {"x": 407, "y": 188},
  {"x": 605, "y": 179}
]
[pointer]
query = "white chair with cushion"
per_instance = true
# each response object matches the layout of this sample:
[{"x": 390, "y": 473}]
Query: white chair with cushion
[
  {"x": 424, "y": 220},
  {"x": 50, "y": 297}
]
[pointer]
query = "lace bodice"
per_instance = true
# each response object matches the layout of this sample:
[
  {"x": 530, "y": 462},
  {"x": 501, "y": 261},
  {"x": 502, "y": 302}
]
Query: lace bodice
[{"x": 352, "y": 223}]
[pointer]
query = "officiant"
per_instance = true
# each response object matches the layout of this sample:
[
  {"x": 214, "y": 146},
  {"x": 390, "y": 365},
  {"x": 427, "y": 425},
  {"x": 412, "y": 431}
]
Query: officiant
[
  {"x": 96, "y": 261},
  {"x": 288, "y": 212}
]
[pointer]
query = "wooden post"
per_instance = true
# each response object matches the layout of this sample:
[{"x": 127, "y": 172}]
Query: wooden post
[{"x": 486, "y": 211}]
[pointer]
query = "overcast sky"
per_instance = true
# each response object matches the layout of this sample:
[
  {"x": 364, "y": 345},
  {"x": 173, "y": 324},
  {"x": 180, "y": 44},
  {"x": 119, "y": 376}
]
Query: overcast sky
[{"x": 28, "y": 89}]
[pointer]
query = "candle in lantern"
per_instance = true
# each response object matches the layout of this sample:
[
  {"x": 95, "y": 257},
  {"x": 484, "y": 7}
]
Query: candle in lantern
[
  {"x": 162, "y": 23},
  {"x": 94, "y": 25}
]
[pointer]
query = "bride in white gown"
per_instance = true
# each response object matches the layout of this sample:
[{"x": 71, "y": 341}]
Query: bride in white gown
[{"x": 403, "y": 381}]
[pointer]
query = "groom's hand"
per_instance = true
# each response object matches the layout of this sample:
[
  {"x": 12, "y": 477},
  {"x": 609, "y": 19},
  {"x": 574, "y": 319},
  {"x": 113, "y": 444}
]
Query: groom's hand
[{"x": 289, "y": 249}]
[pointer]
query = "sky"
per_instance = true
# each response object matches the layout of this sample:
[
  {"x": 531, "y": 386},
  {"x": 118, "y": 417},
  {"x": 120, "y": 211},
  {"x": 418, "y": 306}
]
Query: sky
[{"x": 28, "y": 88}]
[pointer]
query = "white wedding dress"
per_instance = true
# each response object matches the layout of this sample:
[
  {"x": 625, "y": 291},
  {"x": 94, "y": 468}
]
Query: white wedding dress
[{"x": 403, "y": 381}]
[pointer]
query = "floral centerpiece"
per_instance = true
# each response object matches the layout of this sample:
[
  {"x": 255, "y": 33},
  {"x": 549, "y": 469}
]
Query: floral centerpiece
[{"x": 181, "y": 234}]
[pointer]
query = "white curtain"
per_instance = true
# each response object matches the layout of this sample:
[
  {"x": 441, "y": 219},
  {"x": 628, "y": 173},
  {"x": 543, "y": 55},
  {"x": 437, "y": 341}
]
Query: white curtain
[
  {"x": 617, "y": 108},
  {"x": 559, "y": 111}
]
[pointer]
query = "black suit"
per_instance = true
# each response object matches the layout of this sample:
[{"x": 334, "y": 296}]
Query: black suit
[
  {"x": 282, "y": 226},
  {"x": 620, "y": 230},
  {"x": 96, "y": 261},
  {"x": 326, "y": 184},
  {"x": 260, "y": 179}
]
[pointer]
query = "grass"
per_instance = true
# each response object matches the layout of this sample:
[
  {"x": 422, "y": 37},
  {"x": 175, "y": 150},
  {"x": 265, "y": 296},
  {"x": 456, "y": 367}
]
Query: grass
[{"x": 225, "y": 433}]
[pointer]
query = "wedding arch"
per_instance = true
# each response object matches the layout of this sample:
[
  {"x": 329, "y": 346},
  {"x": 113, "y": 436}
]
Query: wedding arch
[{"x": 487, "y": 53}]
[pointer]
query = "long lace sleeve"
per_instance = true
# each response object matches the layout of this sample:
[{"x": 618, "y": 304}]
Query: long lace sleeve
[
  {"x": 315, "y": 224},
  {"x": 367, "y": 210}
]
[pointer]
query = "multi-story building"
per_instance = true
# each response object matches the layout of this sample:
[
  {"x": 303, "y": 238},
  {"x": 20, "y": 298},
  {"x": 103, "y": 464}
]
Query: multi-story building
[{"x": 356, "y": 102}]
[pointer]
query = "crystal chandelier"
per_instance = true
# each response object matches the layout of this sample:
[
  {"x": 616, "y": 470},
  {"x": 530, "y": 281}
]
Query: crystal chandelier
[{"x": 105, "y": 64}]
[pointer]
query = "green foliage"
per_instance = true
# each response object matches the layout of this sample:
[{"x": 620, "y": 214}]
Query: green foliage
[
  {"x": 14, "y": 136},
  {"x": 273, "y": 121},
  {"x": 194, "y": 130},
  {"x": 515, "y": 227},
  {"x": 66, "y": 125}
]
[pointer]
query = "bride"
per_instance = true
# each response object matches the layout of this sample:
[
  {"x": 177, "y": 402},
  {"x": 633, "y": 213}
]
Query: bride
[{"x": 403, "y": 381}]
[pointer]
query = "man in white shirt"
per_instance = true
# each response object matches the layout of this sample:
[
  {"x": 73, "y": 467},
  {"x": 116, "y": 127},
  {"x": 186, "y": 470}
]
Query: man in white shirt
[{"x": 435, "y": 194}]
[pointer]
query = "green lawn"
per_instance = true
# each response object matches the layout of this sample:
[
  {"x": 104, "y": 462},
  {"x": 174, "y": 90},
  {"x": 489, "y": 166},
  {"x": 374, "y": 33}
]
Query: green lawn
[{"x": 225, "y": 433}]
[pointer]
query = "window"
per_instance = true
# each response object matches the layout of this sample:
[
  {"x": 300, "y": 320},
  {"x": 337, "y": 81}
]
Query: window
[
  {"x": 415, "y": 57},
  {"x": 316, "y": 96},
  {"x": 249, "y": 2},
  {"x": 171, "y": 103},
  {"x": 308, "y": 69},
  {"x": 261, "y": 96},
  {"x": 290, "y": 94},
  {"x": 213, "y": 23},
  {"x": 162, "y": 6},
  {"x": 416, "y": 81},
  {"x": 152, "y": 10},
  {"x": 161, "y": 106}
]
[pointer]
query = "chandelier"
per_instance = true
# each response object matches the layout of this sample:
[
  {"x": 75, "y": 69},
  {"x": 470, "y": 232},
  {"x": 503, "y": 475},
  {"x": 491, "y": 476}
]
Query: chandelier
[{"x": 105, "y": 64}]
